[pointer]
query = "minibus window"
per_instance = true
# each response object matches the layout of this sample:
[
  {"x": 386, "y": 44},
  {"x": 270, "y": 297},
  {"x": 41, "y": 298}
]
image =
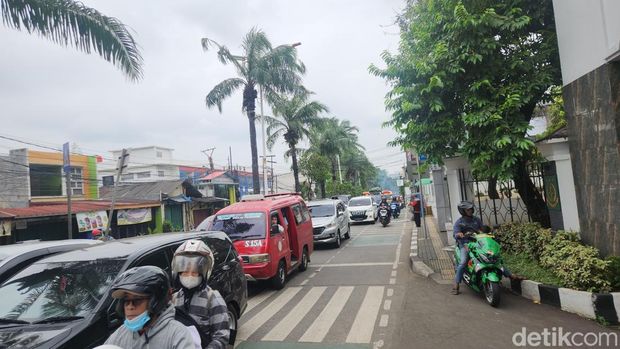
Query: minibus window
[{"x": 240, "y": 226}]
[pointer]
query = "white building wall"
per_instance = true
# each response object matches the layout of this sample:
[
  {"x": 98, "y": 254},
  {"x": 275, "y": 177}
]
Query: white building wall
[{"x": 588, "y": 35}]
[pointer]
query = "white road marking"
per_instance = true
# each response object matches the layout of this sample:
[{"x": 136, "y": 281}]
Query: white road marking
[
  {"x": 319, "y": 328},
  {"x": 292, "y": 319},
  {"x": 254, "y": 301},
  {"x": 312, "y": 275},
  {"x": 364, "y": 323},
  {"x": 392, "y": 281},
  {"x": 303, "y": 282},
  {"x": 393, "y": 273},
  {"x": 390, "y": 292},
  {"x": 350, "y": 265},
  {"x": 248, "y": 328},
  {"x": 384, "y": 321},
  {"x": 387, "y": 305}
]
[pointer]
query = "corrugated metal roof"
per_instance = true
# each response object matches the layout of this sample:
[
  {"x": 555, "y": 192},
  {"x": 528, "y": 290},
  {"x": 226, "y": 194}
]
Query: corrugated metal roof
[
  {"x": 213, "y": 175},
  {"x": 59, "y": 209}
]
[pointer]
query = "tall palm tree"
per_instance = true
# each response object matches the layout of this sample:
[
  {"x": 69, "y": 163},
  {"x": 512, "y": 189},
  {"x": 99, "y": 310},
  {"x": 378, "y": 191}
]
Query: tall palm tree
[
  {"x": 70, "y": 23},
  {"x": 292, "y": 119},
  {"x": 275, "y": 70},
  {"x": 333, "y": 138}
]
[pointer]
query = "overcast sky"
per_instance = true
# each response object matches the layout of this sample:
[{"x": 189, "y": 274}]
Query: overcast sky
[{"x": 51, "y": 94}]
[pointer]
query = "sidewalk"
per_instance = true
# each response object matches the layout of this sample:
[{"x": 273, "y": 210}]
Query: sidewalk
[{"x": 428, "y": 255}]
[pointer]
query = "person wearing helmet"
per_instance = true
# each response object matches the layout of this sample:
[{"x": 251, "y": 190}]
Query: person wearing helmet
[
  {"x": 191, "y": 267},
  {"x": 143, "y": 295},
  {"x": 467, "y": 222}
]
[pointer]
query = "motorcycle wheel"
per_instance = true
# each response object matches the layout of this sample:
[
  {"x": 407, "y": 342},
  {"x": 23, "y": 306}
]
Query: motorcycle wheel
[
  {"x": 384, "y": 223},
  {"x": 492, "y": 293}
]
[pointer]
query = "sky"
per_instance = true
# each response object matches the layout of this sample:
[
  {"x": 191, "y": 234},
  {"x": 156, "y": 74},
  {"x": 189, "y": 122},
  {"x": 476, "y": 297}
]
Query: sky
[{"x": 51, "y": 94}]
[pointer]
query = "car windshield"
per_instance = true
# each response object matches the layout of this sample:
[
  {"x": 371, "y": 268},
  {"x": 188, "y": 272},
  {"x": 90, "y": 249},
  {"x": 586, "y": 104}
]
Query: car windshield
[
  {"x": 57, "y": 290},
  {"x": 241, "y": 225},
  {"x": 322, "y": 211},
  {"x": 360, "y": 202}
]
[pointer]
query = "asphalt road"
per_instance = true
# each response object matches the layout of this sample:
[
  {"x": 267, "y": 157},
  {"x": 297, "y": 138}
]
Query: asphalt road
[{"x": 364, "y": 295}]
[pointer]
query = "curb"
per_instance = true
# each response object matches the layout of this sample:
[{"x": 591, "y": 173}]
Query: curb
[
  {"x": 416, "y": 263},
  {"x": 590, "y": 305}
]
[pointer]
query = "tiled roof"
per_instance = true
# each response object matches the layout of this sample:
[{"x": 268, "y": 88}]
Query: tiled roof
[
  {"x": 59, "y": 209},
  {"x": 213, "y": 175}
]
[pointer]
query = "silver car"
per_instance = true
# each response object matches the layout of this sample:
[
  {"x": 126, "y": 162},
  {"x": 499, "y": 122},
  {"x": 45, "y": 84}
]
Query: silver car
[{"x": 330, "y": 221}]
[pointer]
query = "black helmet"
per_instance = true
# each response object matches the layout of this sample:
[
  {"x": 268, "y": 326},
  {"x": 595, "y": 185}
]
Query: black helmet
[
  {"x": 146, "y": 280},
  {"x": 465, "y": 205}
]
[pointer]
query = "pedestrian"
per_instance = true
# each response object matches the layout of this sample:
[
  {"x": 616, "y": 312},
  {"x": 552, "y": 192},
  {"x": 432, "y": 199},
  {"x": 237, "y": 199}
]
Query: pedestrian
[
  {"x": 191, "y": 268},
  {"x": 415, "y": 207},
  {"x": 144, "y": 302}
]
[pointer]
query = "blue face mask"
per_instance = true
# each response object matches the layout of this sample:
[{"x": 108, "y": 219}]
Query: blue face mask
[{"x": 138, "y": 322}]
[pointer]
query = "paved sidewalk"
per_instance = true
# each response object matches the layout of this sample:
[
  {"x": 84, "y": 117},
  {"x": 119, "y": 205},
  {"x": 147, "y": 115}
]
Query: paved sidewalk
[{"x": 430, "y": 251}]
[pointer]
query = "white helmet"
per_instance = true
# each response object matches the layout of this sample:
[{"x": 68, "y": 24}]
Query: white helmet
[
  {"x": 108, "y": 346},
  {"x": 192, "y": 255}
]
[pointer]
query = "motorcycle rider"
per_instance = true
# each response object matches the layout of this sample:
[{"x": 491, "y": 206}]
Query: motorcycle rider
[
  {"x": 468, "y": 223},
  {"x": 396, "y": 204},
  {"x": 384, "y": 204},
  {"x": 144, "y": 294},
  {"x": 191, "y": 268}
]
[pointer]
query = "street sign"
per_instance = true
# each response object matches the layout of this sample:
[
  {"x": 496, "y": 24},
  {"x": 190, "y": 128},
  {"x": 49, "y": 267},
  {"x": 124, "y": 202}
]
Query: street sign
[
  {"x": 422, "y": 157},
  {"x": 400, "y": 182}
]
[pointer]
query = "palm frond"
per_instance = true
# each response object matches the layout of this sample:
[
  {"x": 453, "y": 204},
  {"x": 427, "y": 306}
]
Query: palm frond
[
  {"x": 225, "y": 56},
  {"x": 70, "y": 23},
  {"x": 222, "y": 91}
]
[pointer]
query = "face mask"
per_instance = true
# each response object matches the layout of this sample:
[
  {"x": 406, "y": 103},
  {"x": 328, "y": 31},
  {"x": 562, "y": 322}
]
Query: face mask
[
  {"x": 138, "y": 322},
  {"x": 190, "y": 281}
]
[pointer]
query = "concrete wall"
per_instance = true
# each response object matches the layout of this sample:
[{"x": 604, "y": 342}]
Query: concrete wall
[
  {"x": 588, "y": 34},
  {"x": 14, "y": 179}
]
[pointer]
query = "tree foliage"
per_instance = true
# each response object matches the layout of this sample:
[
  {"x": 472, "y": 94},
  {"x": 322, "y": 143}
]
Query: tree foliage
[
  {"x": 467, "y": 77},
  {"x": 70, "y": 23}
]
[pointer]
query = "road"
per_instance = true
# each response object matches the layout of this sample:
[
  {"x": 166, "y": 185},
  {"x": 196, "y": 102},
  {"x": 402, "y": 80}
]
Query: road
[{"x": 364, "y": 295}]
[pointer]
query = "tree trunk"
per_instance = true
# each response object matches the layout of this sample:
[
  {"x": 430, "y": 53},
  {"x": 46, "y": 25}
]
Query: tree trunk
[
  {"x": 493, "y": 194},
  {"x": 334, "y": 169},
  {"x": 322, "y": 183},
  {"x": 249, "y": 99},
  {"x": 295, "y": 168},
  {"x": 533, "y": 199}
]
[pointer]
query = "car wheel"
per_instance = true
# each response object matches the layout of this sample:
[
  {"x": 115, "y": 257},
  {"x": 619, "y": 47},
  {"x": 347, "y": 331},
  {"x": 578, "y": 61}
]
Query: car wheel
[
  {"x": 233, "y": 323},
  {"x": 304, "y": 260},
  {"x": 279, "y": 279},
  {"x": 338, "y": 241},
  {"x": 348, "y": 234}
]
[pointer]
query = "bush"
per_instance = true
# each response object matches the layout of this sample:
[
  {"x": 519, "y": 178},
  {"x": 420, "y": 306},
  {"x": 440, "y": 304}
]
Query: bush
[
  {"x": 577, "y": 265},
  {"x": 167, "y": 227},
  {"x": 528, "y": 238},
  {"x": 614, "y": 272}
]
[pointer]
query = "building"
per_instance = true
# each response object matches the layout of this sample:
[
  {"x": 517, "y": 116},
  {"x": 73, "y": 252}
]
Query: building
[
  {"x": 589, "y": 43},
  {"x": 144, "y": 164}
]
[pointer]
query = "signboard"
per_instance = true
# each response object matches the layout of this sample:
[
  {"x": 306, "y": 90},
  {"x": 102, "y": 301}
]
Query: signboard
[
  {"x": 422, "y": 157},
  {"x": 400, "y": 182},
  {"x": 88, "y": 221},
  {"x": 5, "y": 228},
  {"x": 134, "y": 216},
  {"x": 66, "y": 158}
]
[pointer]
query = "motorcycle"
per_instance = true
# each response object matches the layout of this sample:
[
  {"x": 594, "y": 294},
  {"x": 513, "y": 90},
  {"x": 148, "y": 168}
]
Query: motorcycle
[
  {"x": 384, "y": 216},
  {"x": 483, "y": 272},
  {"x": 395, "y": 207}
]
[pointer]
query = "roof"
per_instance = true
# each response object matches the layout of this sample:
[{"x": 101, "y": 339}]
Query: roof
[
  {"x": 322, "y": 202},
  {"x": 269, "y": 201},
  {"x": 561, "y": 132},
  {"x": 59, "y": 209},
  {"x": 213, "y": 175},
  {"x": 145, "y": 147},
  {"x": 149, "y": 190},
  {"x": 122, "y": 248}
]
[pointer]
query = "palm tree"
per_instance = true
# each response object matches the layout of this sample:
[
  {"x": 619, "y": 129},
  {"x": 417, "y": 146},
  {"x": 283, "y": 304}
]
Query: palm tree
[
  {"x": 333, "y": 138},
  {"x": 292, "y": 119},
  {"x": 70, "y": 23},
  {"x": 275, "y": 70}
]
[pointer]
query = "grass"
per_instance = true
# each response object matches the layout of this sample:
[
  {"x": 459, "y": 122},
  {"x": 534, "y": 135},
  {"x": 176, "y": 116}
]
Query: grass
[{"x": 524, "y": 265}]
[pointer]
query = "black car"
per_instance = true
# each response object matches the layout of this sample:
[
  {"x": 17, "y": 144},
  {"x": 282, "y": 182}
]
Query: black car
[{"x": 63, "y": 301}]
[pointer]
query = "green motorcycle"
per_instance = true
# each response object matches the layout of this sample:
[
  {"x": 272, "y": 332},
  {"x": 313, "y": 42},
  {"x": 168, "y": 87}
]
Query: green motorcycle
[{"x": 483, "y": 272}]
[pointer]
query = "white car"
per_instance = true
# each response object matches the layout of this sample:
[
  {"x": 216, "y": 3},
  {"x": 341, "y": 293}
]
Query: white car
[
  {"x": 362, "y": 209},
  {"x": 330, "y": 221}
]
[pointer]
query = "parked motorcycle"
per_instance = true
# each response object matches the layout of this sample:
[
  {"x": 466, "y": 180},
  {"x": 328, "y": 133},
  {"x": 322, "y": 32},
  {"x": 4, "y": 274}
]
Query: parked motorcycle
[
  {"x": 384, "y": 216},
  {"x": 483, "y": 272},
  {"x": 395, "y": 207}
]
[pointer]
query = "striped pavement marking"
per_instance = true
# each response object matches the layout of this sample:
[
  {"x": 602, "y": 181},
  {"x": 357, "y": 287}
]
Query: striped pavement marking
[
  {"x": 259, "y": 319},
  {"x": 292, "y": 319},
  {"x": 255, "y": 301},
  {"x": 364, "y": 322},
  {"x": 319, "y": 328}
]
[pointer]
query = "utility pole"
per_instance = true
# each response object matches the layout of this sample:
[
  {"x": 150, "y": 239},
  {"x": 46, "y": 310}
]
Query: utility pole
[
  {"x": 339, "y": 170},
  {"x": 66, "y": 157},
  {"x": 422, "y": 202},
  {"x": 119, "y": 171},
  {"x": 210, "y": 156},
  {"x": 272, "y": 162}
]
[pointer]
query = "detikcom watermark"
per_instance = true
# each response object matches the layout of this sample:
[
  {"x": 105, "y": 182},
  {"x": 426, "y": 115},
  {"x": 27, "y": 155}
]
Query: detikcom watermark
[{"x": 557, "y": 337}]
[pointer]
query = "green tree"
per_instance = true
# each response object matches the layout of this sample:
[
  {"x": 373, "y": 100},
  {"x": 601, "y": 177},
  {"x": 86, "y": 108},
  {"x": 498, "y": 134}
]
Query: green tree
[
  {"x": 292, "y": 118},
  {"x": 315, "y": 167},
  {"x": 466, "y": 80},
  {"x": 274, "y": 69},
  {"x": 70, "y": 23}
]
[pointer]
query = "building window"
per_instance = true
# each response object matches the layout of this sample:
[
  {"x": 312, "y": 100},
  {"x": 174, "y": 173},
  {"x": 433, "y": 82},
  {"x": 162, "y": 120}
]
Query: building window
[
  {"x": 77, "y": 181},
  {"x": 45, "y": 180},
  {"x": 127, "y": 177},
  {"x": 159, "y": 154},
  {"x": 145, "y": 174},
  {"x": 160, "y": 173}
]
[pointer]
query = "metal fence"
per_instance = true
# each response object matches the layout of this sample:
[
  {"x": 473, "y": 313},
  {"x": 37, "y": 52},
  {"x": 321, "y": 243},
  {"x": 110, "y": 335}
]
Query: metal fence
[{"x": 508, "y": 206}]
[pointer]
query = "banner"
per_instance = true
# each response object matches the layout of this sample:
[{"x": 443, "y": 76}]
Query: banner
[
  {"x": 5, "y": 228},
  {"x": 88, "y": 221},
  {"x": 135, "y": 216}
]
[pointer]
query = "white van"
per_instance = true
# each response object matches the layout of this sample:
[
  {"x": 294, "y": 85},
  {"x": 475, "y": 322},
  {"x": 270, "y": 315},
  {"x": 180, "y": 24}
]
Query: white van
[{"x": 362, "y": 209}]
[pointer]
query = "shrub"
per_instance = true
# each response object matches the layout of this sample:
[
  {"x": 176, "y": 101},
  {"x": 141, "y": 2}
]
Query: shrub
[
  {"x": 614, "y": 272},
  {"x": 519, "y": 238},
  {"x": 167, "y": 227},
  {"x": 577, "y": 265}
]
